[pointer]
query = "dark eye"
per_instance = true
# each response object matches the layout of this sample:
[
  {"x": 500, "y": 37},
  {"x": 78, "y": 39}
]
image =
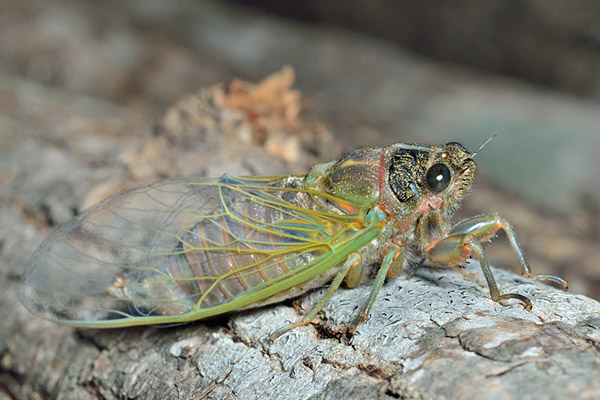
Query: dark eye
[{"x": 438, "y": 178}]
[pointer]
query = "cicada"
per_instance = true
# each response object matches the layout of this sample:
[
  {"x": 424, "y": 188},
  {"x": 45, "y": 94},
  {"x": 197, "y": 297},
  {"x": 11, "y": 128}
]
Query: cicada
[{"x": 186, "y": 249}]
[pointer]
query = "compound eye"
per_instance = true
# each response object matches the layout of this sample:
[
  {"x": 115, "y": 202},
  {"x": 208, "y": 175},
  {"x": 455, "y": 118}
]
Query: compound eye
[{"x": 438, "y": 178}]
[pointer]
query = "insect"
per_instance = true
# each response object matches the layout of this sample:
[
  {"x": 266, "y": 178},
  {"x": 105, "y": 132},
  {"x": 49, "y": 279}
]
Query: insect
[{"x": 191, "y": 248}]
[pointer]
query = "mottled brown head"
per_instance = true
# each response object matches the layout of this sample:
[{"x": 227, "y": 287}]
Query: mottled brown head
[
  {"x": 461, "y": 166},
  {"x": 406, "y": 180},
  {"x": 423, "y": 178}
]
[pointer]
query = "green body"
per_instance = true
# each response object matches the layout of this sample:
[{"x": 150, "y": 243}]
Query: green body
[{"x": 186, "y": 249}]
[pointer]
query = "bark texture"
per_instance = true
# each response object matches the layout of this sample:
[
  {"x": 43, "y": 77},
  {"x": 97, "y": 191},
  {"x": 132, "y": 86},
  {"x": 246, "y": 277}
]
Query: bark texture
[{"x": 437, "y": 335}]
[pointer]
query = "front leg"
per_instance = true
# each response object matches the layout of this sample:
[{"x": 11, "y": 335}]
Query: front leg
[{"x": 464, "y": 239}]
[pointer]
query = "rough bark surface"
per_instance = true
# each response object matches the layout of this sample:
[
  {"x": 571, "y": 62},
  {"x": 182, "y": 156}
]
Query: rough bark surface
[
  {"x": 83, "y": 89},
  {"x": 81, "y": 81},
  {"x": 437, "y": 335}
]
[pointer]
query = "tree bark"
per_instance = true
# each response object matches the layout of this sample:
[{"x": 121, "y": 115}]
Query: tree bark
[{"x": 437, "y": 335}]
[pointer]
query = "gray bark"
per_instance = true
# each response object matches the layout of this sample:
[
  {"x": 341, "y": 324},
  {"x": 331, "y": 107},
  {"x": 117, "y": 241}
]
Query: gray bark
[
  {"x": 77, "y": 102},
  {"x": 437, "y": 335}
]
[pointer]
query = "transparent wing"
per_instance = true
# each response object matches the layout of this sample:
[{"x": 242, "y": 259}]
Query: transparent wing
[{"x": 186, "y": 249}]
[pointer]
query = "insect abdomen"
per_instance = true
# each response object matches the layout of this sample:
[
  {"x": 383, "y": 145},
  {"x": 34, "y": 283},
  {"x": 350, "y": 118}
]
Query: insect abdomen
[{"x": 249, "y": 244}]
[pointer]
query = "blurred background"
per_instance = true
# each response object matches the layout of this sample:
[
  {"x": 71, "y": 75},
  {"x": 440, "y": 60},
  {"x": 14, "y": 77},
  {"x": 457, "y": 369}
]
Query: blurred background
[{"x": 83, "y": 84}]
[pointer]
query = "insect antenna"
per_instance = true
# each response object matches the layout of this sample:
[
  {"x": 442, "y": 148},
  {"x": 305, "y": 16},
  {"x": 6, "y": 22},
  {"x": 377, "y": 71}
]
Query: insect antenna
[{"x": 487, "y": 141}]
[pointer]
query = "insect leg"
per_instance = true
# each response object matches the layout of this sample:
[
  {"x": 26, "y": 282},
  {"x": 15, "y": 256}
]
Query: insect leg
[
  {"x": 353, "y": 276},
  {"x": 456, "y": 248},
  {"x": 486, "y": 226},
  {"x": 397, "y": 264},
  {"x": 353, "y": 260},
  {"x": 394, "y": 253}
]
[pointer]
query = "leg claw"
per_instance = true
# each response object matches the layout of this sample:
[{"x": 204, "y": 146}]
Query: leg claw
[{"x": 526, "y": 302}]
